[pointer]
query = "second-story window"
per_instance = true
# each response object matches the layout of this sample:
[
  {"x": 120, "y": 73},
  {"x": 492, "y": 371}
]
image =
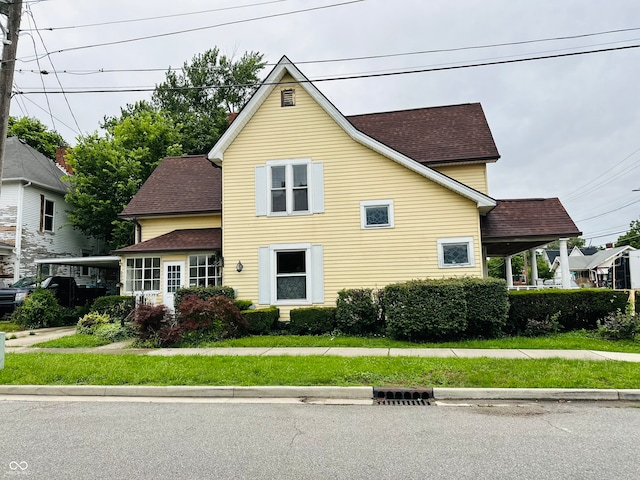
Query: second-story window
[
  {"x": 289, "y": 188},
  {"x": 46, "y": 214}
]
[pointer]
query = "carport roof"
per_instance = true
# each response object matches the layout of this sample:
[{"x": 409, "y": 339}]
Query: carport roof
[{"x": 180, "y": 240}]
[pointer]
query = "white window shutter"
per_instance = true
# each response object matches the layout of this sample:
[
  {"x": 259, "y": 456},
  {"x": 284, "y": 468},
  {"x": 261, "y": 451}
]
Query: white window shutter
[
  {"x": 261, "y": 191},
  {"x": 317, "y": 274},
  {"x": 264, "y": 276},
  {"x": 317, "y": 187}
]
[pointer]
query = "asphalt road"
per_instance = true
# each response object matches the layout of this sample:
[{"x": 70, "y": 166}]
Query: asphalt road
[{"x": 136, "y": 440}]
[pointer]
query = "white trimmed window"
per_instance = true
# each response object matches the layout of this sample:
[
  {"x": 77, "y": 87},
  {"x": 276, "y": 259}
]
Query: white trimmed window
[
  {"x": 47, "y": 209},
  {"x": 376, "y": 214},
  {"x": 290, "y": 274},
  {"x": 205, "y": 270},
  {"x": 455, "y": 252},
  {"x": 142, "y": 274},
  {"x": 289, "y": 187}
]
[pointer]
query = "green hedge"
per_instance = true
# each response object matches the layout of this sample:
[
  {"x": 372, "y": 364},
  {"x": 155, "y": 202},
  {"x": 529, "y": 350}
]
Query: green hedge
[
  {"x": 358, "y": 312},
  {"x": 312, "y": 320},
  {"x": 425, "y": 310},
  {"x": 575, "y": 309},
  {"x": 203, "y": 293},
  {"x": 261, "y": 320},
  {"x": 487, "y": 306}
]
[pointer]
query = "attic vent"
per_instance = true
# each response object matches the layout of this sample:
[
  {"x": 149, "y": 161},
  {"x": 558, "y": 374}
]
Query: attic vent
[{"x": 288, "y": 97}]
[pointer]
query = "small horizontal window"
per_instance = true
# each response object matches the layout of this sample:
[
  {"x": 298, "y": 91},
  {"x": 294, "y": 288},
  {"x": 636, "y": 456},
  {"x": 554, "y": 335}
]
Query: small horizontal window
[
  {"x": 455, "y": 252},
  {"x": 376, "y": 214}
]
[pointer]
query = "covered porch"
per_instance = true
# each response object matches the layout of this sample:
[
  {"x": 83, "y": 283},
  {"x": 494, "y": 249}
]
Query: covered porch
[{"x": 521, "y": 225}]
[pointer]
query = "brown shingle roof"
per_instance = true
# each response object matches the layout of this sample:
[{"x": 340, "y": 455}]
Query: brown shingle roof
[
  {"x": 436, "y": 135},
  {"x": 180, "y": 240},
  {"x": 189, "y": 184},
  {"x": 528, "y": 217}
]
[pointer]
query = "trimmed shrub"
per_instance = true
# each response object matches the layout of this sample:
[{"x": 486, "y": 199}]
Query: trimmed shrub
[
  {"x": 243, "y": 304},
  {"x": 357, "y": 312},
  {"x": 203, "y": 293},
  {"x": 114, "y": 332},
  {"x": 540, "y": 328},
  {"x": 118, "y": 307},
  {"x": 312, "y": 320},
  {"x": 89, "y": 322},
  {"x": 425, "y": 310},
  {"x": 71, "y": 316},
  {"x": 40, "y": 310},
  {"x": 576, "y": 309},
  {"x": 261, "y": 320},
  {"x": 487, "y": 306}
]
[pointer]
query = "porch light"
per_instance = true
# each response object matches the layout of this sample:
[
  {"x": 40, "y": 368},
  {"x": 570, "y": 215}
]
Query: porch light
[{"x": 239, "y": 266}]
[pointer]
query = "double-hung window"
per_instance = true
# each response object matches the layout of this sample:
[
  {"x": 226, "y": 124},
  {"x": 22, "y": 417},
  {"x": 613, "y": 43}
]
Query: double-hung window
[
  {"x": 289, "y": 187},
  {"x": 47, "y": 209},
  {"x": 143, "y": 274},
  {"x": 291, "y": 274},
  {"x": 455, "y": 252},
  {"x": 289, "y": 193}
]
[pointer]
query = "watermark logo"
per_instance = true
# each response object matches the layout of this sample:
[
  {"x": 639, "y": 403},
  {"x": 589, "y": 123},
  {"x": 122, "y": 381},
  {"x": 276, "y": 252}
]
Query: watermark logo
[{"x": 18, "y": 468}]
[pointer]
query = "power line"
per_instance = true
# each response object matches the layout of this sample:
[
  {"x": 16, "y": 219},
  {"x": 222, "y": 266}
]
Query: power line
[
  {"x": 159, "y": 17},
  {"x": 355, "y": 77},
  {"x": 75, "y": 120},
  {"x": 610, "y": 211},
  {"x": 207, "y": 27},
  {"x": 57, "y": 118}
]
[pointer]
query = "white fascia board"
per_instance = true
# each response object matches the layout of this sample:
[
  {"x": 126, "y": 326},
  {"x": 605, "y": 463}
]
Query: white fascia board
[{"x": 216, "y": 155}]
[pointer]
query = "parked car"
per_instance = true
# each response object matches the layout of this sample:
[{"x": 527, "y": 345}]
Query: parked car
[{"x": 67, "y": 292}]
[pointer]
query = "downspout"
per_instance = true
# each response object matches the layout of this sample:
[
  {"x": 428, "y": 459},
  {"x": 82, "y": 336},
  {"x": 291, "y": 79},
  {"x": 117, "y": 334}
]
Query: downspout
[
  {"x": 137, "y": 235},
  {"x": 19, "y": 227}
]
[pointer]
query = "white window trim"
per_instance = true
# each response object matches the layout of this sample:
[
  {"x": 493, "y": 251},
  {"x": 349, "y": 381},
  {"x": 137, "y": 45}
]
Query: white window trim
[
  {"x": 454, "y": 240},
  {"x": 290, "y": 247},
  {"x": 126, "y": 277},
  {"x": 45, "y": 216},
  {"x": 188, "y": 267},
  {"x": 288, "y": 164},
  {"x": 375, "y": 203}
]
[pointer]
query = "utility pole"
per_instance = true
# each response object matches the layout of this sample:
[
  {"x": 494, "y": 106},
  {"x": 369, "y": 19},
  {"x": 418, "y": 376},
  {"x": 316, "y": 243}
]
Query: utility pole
[{"x": 13, "y": 10}]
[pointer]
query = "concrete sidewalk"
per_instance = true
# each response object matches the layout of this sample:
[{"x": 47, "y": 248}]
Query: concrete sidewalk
[{"x": 24, "y": 341}]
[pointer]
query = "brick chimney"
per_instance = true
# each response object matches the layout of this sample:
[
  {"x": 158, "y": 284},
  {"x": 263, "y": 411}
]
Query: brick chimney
[
  {"x": 232, "y": 117},
  {"x": 60, "y": 153}
]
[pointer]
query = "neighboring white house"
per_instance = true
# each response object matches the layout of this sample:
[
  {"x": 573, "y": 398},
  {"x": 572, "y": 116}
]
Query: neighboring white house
[
  {"x": 33, "y": 216},
  {"x": 596, "y": 270}
]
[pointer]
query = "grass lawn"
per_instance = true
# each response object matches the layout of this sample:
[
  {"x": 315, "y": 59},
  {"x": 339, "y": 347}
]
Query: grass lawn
[
  {"x": 77, "y": 340},
  {"x": 8, "y": 326},
  {"x": 577, "y": 340},
  {"x": 96, "y": 369}
]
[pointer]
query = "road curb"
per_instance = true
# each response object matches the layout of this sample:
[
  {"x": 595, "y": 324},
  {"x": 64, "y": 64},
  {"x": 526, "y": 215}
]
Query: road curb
[
  {"x": 351, "y": 393},
  {"x": 553, "y": 394}
]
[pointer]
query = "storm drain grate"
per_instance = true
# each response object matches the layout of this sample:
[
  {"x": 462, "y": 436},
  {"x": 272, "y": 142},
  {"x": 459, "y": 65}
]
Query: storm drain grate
[{"x": 403, "y": 396}]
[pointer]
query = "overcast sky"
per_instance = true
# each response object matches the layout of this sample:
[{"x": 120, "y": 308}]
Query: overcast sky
[{"x": 565, "y": 127}]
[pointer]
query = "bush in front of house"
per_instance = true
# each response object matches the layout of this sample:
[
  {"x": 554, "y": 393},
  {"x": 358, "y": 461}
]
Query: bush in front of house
[
  {"x": 39, "y": 310},
  {"x": 115, "y": 331},
  {"x": 203, "y": 293},
  {"x": 575, "y": 309},
  {"x": 358, "y": 312},
  {"x": 148, "y": 320},
  {"x": 118, "y": 307},
  {"x": 487, "y": 306},
  {"x": 620, "y": 325},
  {"x": 425, "y": 310},
  {"x": 312, "y": 320},
  {"x": 261, "y": 320},
  {"x": 243, "y": 304},
  {"x": 88, "y": 323}
]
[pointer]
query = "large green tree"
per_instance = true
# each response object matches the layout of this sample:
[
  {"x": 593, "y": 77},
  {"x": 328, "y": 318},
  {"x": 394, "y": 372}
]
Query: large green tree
[
  {"x": 109, "y": 169},
  {"x": 632, "y": 237},
  {"x": 36, "y": 134},
  {"x": 201, "y": 95}
]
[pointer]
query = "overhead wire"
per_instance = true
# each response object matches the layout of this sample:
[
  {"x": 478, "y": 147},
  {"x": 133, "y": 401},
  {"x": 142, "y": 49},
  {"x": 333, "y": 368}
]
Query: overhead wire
[{"x": 66, "y": 99}]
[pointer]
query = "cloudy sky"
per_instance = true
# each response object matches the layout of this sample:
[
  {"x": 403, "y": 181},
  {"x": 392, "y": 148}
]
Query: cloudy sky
[{"x": 565, "y": 127}]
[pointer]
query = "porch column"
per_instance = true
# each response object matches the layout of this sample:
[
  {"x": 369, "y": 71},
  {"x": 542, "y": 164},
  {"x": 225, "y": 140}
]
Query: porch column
[
  {"x": 564, "y": 264},
  {"x": 534, "y": 267},
  {"x": 508, "y": 271},
  {"x": 485, "y": 264}
]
